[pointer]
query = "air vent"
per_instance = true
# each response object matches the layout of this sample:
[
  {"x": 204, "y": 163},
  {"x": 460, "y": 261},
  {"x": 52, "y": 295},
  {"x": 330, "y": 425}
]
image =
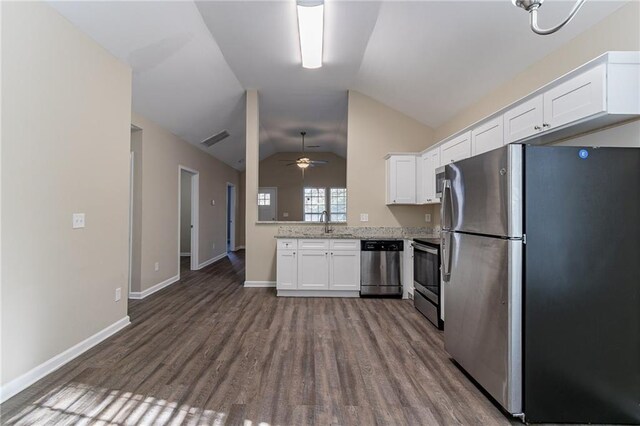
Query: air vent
[{"x": 215, "y": 138}]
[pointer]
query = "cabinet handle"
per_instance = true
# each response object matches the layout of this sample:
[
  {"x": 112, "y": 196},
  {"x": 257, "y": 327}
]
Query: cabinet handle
[
  {"x": 546, "y": 125},
  {"x": 537, "y": 128},
  {"x": 294, "y": 254},
  {"x": 326, "y": 254}
]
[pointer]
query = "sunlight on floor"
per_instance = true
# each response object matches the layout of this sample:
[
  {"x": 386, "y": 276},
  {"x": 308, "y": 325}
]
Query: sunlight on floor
[{"x": 80, "y": 404}]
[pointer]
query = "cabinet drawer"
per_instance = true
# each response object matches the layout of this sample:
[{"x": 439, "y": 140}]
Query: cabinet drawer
[
  {"x": 288, "y": 244},
  {"x": 312, "y": 244},
  {"x": 344, "y": 244}
]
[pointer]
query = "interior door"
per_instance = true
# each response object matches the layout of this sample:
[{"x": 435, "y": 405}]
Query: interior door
[
  {"x": 267, "y": 204},
  {"x": 484, "y": 313}
]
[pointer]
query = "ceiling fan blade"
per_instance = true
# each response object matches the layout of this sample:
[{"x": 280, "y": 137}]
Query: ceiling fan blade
[
  {"x": 319, "y": 162},
  {"x": 287, "y": 160},
  {"x": 291, "y": 164}
]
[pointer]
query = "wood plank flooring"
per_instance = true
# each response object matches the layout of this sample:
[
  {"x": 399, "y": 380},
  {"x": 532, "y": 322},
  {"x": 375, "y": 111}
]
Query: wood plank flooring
[{"x": 208, "y": 351}]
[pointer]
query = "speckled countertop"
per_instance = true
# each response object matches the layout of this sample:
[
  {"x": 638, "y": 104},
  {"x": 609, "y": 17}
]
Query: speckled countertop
[{"x": 357, "y": 232}]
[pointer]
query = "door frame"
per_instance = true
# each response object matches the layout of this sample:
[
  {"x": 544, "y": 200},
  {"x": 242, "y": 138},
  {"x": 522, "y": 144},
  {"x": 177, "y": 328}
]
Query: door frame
[
  {"x": 195, "y": 215},
  {"x": 131, "y": 186},
  {"x": 275, "y": 201},
  {"x": 230, "y": 229}
]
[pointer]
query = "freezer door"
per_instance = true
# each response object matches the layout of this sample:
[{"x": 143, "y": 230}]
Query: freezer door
[
  {"x": 483, "y": 194},
  {"x": 484, "y": 314}
]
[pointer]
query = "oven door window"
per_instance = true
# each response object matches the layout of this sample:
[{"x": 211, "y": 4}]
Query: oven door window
[{"x": 425, "y": 273}]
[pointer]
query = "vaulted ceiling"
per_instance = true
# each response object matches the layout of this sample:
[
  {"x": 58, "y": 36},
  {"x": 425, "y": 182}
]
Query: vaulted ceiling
[{"x": 192, "y": 61}]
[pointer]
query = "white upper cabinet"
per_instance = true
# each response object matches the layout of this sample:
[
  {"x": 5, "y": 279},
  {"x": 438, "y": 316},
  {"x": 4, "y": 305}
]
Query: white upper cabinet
[
  {"x": 428, "y": 163},
  {"x": 523, "y": 120},
  {"x": 401, "y": 179},
  {"x": 487, "y": 136},
  {"x": 575, "y": 99},
  {"x": 456, "y": 149}
]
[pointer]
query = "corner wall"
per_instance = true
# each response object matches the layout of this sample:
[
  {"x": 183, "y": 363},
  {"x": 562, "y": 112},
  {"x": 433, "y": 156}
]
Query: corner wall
[
  {"x": 618, "y": 31},
  {"x": 163, "y": 153},
  {"x": 374, "y": 130},
  {"x": 66, "y": 108}
]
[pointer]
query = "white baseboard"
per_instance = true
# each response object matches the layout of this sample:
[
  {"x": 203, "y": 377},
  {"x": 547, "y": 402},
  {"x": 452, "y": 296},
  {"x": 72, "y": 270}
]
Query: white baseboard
[
  {"x": 318, "y": 293},
  {"x": 212, "y": 260},
  {"x": 27, "y": 379},
  {"x": 259, "y": 283},
  {"x": 185, "y": 254},
  {"x": 151, "y": 290}
]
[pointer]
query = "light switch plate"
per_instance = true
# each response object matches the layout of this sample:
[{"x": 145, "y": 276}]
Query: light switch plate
[
  {"x": 427, "y": 217},
  {"x": 213, "y": 202},
  {"x": 118, "y": 293},
  {"x": 364, "y": 217},
  {"x": 78, "y": 220},
  {"x": 157, "y": 266}
]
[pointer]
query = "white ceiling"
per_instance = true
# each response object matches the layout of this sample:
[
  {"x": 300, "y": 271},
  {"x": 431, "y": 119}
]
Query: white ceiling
[{"x": 430, "y": 60}]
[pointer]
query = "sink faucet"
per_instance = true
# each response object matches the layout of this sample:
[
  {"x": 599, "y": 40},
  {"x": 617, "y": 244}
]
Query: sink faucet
[{"x": 324, "y": 217}]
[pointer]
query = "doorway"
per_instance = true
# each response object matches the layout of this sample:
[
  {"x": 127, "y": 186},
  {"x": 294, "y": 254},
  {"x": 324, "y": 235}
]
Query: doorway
[
  {"x": 135, "y": 212},
  {"x": 231, "y": 216},
  {"x": 267, "y": 204},
  {"x": 188, "y": 196}
]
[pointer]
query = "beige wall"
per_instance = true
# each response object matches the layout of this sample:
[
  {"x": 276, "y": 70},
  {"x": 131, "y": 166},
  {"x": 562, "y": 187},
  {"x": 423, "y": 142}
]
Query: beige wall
[
  {"x": 163, "y": 153},
  {"x": 619, "y": 31},
  {"x": 290, "y": 182},
  {"x": 375, "y": 130},
  {"x": 185, "y": 212},
  {"x": 65, "y": 149},
  {"x": 259, "y": 242}
]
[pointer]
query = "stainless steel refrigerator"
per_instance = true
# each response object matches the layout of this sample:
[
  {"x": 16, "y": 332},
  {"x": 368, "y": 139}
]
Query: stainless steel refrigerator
[{"x": 541, "y": 269}]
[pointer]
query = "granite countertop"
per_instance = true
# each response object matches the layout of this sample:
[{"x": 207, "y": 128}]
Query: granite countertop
[{"x": 357, "y": 232}]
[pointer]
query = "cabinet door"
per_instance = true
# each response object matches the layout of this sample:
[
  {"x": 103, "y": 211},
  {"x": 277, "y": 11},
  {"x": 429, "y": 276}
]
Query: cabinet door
[
  {"x": 313, "y": 269},
  {"x": 580, "y": 97},
  {"x": 523, "y": 120},
  {"x": 344, "y": 270},
  {"x": 430, "y": 162},
  {"x": 456, "y": 149},
  {"x": 401, "y": 179},
  {"x": 287, "y": 270},
  {"x": 487, "y": 136}
]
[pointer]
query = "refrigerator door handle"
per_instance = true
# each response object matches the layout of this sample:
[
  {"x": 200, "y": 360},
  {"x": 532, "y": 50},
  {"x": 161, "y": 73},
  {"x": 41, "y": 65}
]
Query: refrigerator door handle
[
  {"x": 445, "y": 246},
  {"x": 444, "y": 214}
]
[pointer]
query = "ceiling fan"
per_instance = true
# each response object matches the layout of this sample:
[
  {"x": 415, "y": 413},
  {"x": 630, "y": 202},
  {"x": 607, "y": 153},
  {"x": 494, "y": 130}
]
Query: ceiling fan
[{"x": 304, "y": 161}]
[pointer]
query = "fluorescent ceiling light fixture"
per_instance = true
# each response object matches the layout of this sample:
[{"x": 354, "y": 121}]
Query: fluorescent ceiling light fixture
[{"x": 310, "y": 31}]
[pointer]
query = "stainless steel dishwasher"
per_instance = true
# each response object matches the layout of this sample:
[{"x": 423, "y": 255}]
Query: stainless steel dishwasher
[{"x": 381, "y": 268}]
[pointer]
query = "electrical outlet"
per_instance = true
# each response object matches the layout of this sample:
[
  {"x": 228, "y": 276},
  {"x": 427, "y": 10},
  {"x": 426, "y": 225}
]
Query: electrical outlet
[
  {"x": 78, "y": 220},
  {"x": 427, "y": 217},
  {"x": 364, "y": 217},
  {"x": 285, "y": 214},
  {"x": 157, "y": 266},
  {"x": 118, "y": 293},
  {"x": 213, "y": 246},
  {"x": 213, "y": 202}
]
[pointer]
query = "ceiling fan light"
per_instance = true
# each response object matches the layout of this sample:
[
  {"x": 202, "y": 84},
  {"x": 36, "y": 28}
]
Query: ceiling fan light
[
  {"x": 310, "y": 32},
  {"x": 303, "y": 165}
]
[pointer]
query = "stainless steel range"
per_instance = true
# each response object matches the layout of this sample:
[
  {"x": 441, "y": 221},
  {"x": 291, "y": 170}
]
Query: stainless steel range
[{"x": 427, "y": 297}]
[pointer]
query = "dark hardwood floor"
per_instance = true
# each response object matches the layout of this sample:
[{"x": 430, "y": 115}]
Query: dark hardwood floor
[{"x": 208, "y": 351}]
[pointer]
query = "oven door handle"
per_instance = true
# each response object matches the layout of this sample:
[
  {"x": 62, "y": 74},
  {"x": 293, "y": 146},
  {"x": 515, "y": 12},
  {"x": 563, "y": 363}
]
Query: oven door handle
[{"x": 420, "y": 247}]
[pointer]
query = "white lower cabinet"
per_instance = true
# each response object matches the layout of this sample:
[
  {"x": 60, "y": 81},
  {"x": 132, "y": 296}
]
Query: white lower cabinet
[
  {"x": 333, "y": 270},
  {"x": 287, "y": 271},
  {"x": 344, "y": 270},
  {"x": 313, "y": 269}
]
